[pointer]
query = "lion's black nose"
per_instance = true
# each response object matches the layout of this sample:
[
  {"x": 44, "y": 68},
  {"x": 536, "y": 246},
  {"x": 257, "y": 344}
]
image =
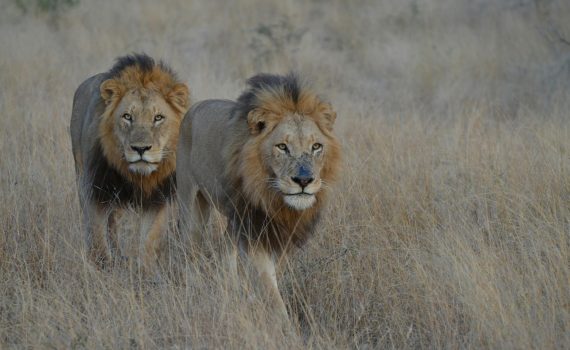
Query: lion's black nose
[
  {"x": 303, "y": 181},
  {"x": 140, "y": 150}
]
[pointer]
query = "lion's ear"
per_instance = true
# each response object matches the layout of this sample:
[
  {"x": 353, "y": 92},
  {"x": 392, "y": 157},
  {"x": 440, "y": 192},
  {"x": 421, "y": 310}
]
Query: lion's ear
[
  {"x": 256, "y": 121},
  {"x": 110, "y": 89},
  {"x": 178, "y": 96},
  {"x": 329, "y": 115}
]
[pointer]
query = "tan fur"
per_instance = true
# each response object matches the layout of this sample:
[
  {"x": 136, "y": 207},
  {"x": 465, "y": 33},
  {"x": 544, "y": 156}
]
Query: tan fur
[
  {"x": 246, "y": 168},
  {"x": 227, "y": 154},
  {"x": 113, "y": 90},
  {"x": 248, "y": 171},
  {"x": 101, "y": 141}
]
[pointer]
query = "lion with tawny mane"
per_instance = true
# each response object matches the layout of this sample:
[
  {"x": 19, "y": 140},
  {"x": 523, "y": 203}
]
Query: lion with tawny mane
[
  {"x": 266, "y": 162},
  {"x": 124, "y": 132}
]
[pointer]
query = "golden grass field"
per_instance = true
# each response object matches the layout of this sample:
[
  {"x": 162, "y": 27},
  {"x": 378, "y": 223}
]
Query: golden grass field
[{"x": 449, "y": 228}]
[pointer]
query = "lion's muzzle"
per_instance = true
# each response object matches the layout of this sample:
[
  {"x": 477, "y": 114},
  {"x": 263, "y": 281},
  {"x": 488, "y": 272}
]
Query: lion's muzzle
[
  {"x": 140, "y": 149},
  {"x": 304, "y": 176},
  {"x": 142, "y": 153},
  {"x": 141, "y": 159},
  {"x": 299, "y": 191}
]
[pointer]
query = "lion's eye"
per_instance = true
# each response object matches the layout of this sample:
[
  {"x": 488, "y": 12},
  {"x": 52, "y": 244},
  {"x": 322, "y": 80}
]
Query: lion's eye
[
  {"x": 317, "y": 146},
  {"x": 158, "y": 117},
  {"x": 282, "y": 146},
  {"x": 128, "y": 117}
]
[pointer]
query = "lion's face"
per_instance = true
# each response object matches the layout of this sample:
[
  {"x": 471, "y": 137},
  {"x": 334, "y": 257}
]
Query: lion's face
[
  {"x": 144, "y": 125},
  {"x": 140, "y": 129},
  {"x": 295, "y": 152}
]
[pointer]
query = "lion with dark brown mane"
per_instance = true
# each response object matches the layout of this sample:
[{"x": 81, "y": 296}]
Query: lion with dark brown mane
[
  {"x": 124, "y": 132},
  {"x": 265, "y": 162}
]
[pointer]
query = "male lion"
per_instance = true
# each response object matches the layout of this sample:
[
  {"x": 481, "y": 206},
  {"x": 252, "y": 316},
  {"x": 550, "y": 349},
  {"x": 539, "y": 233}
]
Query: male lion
[
  {"x": 265, "y": 162},
  {"x": 124, "y": 133}
]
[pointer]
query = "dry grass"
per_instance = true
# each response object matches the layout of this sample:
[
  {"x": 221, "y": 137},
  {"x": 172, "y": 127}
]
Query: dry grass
[{"x": 450, "y": 227}]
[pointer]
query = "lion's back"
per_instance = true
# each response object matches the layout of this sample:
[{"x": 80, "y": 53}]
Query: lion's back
[
  {"x": 204, "y": 130},
  {"x": 83, "y": 126},
  {"x": 204, "y": 135}
]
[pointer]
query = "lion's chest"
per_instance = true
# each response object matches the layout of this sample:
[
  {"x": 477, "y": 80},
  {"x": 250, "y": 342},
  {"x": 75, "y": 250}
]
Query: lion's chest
[
  {"x": 109, "y": 187},
  {"x": 277, "y": 233}
]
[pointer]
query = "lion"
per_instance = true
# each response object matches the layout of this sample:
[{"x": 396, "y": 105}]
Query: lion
[
  {"x": 124, "y": 133},
  {"x": 266, "y": 162}
]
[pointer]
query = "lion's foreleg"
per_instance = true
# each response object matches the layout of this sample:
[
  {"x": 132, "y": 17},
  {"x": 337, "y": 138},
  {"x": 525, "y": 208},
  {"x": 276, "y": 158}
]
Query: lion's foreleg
[
  {"x": 95, "y": 222},
  {"x": 194, "y": 215},
  {"x": 113, "y": 238},
  {"x": 264, "y": 264},
  {"x": 153, "y": 228}
]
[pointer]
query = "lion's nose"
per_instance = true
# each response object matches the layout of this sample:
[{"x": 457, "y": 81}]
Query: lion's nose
[
  {"x": 141, "y": 149},
  {"x": 303, "y": 181}
]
